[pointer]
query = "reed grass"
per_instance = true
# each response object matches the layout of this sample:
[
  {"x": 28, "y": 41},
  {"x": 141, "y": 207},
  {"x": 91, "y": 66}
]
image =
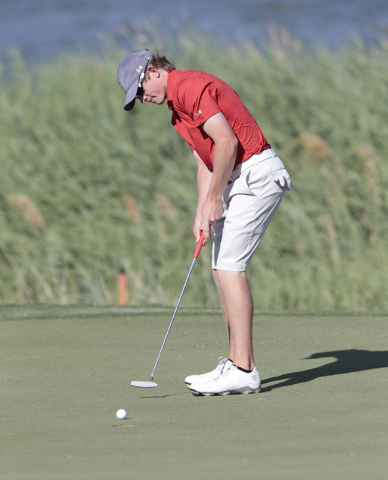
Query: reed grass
[{"x": 88, "y": 191}]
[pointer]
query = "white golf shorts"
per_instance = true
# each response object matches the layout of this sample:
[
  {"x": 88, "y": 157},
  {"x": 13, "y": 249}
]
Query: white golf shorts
[{"x": 250, "y": 202}]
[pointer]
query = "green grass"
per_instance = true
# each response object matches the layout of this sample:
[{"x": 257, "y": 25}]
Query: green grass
[
  {"x": 322, "y": 412},
  {"x": 88, "y": 190}
]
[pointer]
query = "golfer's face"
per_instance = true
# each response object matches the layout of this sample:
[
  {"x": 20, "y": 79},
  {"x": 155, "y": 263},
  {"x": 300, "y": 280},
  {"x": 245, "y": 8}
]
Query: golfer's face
[{"x": 155, "y": 90}]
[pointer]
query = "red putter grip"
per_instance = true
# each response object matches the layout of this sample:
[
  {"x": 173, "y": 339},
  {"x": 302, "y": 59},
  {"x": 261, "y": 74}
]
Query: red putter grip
[{"x": 199, "y": 245}]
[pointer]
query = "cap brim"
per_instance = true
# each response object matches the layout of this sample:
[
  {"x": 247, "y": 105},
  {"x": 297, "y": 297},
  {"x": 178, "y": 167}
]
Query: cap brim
[
  {"x": 129, "y": 106},
  {"x": 130, "y": 97}
]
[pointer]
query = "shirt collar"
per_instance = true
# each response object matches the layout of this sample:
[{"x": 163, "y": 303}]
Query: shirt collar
[{"x": 171, "y": 82}]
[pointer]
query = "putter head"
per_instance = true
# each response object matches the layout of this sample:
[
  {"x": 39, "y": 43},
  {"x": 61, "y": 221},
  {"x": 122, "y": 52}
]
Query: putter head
[{"x": 144, "y": 384}]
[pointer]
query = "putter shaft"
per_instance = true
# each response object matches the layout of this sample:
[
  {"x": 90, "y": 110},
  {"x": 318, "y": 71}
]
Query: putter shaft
[{"x": 196, "y": 253}]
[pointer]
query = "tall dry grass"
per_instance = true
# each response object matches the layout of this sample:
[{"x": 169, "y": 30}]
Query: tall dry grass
[{"x": 88, "y": 190}]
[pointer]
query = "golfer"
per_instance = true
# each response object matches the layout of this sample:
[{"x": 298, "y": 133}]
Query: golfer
[{"x": 241, "y": 183}]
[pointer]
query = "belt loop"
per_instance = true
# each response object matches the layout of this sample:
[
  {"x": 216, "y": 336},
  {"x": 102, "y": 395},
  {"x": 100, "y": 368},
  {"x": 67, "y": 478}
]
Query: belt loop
[{"x": 253, "y": 160}]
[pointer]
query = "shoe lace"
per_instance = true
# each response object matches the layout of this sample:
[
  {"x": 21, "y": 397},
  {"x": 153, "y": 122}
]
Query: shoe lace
[
  {"x": 221, "y": 362},
  {"x": 226, "y": 369}
]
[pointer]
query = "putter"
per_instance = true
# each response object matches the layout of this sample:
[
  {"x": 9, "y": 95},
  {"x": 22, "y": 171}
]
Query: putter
[{"x": 152, "y": 383}]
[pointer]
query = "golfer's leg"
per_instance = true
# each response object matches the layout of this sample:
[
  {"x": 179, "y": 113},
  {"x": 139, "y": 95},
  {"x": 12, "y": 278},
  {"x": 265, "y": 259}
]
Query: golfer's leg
[
  {"x": 237, "y": 305},
  {"x": 224, "y": 309},
  {"x": 252, "y": 201}
]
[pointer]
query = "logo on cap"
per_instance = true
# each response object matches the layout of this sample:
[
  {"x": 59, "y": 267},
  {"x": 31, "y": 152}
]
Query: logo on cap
[{"x": 130, "y": 75}]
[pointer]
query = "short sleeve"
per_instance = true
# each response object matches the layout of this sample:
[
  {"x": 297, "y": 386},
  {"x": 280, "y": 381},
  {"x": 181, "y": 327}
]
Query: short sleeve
[{"x": 198, "y": 100}]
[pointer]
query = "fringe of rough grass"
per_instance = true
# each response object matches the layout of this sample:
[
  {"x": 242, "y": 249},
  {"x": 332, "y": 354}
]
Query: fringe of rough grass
[{"x": 88, "y": 190}]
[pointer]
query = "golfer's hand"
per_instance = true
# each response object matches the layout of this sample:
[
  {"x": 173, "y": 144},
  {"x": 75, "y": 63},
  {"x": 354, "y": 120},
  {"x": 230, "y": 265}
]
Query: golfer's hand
[
  {"x": 211, "y": 212},
  {"x": 197, "y": 228}
]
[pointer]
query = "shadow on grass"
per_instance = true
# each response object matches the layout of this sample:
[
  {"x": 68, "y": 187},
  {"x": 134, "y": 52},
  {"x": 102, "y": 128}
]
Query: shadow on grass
[
  {"x": 168, "y": 395},
  {"x": 348, "y": 361}
]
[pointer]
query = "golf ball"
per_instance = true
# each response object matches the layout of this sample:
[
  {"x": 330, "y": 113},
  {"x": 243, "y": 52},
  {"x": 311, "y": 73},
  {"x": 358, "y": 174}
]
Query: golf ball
[{"x": 121, "y": 414}]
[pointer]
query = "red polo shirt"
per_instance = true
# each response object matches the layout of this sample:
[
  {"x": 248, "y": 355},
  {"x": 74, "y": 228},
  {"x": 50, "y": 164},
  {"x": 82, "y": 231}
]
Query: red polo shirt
[{"x": 194, "y": 97}]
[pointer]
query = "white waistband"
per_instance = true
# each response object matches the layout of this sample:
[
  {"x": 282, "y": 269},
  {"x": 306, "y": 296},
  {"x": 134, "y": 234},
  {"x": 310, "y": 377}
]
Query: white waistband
[{"x": 253, "y": 160}]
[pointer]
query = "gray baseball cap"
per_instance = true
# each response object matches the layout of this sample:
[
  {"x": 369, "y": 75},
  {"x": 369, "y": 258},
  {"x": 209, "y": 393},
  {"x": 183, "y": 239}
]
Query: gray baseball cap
[{"x": 130, "y": 75}]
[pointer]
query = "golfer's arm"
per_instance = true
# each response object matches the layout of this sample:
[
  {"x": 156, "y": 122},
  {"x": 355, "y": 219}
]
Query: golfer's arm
[
  {"x": 204, "y": 178},
  {"x": 226, "y": 144}
]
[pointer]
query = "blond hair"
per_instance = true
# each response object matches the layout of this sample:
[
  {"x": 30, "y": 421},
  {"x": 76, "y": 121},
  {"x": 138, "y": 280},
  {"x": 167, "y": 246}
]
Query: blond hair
[{"x": 160, "y": 62}]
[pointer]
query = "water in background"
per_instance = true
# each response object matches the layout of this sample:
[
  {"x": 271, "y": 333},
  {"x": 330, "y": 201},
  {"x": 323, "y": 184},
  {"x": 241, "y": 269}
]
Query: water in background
[{"x": 40, "y": 29}]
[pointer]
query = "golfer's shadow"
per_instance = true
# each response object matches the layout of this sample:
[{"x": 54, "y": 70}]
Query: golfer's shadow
[{"x": 347, "y": 361}]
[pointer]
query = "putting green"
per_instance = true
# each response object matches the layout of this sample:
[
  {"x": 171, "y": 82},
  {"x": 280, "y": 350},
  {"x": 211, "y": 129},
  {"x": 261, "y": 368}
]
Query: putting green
[{"x": 65, "y": 371}]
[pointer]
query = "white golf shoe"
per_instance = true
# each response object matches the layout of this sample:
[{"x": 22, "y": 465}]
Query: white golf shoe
[
  {"x": 206, "y": 377},
  {"x": 230, "y": 381}
]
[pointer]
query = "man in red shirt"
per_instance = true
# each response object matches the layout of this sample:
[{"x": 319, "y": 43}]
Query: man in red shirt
[{"x": 241, "y": 182}]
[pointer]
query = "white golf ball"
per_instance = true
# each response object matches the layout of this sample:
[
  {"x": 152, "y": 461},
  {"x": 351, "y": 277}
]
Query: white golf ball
[{"x": 121, "y": 414}]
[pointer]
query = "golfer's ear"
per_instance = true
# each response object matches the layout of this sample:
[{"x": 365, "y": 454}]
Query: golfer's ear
[{"x": 152, "y": 70}]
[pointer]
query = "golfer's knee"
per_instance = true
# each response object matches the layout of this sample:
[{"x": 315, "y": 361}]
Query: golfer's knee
[{"x": 229, "y": 274}]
